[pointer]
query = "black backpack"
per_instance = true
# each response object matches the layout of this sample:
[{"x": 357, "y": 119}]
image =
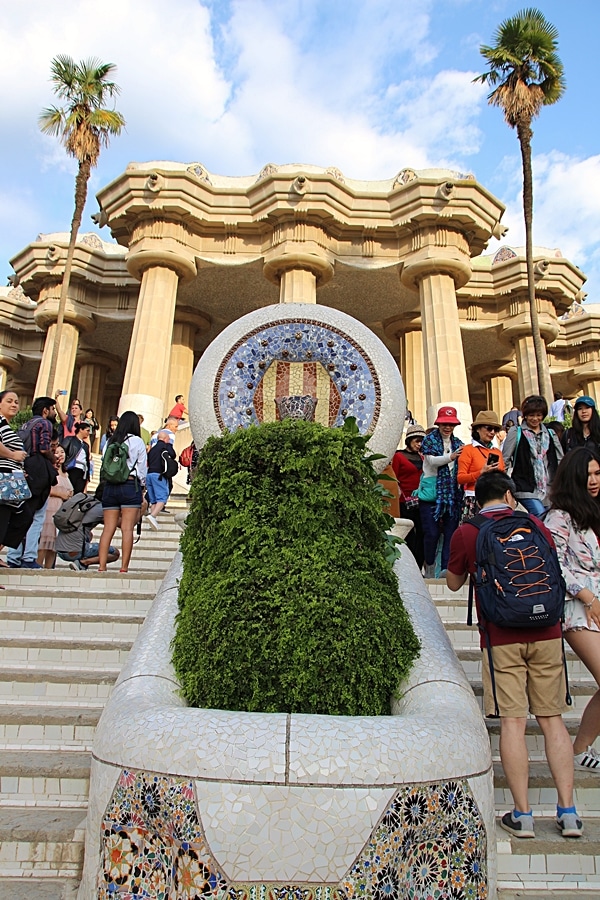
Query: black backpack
[
  {"x": 518, "y": 578},
  {"x": 170, "y": 466}
]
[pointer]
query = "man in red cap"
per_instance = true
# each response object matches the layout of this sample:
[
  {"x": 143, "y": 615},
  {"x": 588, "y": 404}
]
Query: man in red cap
[{"x": 440, "y": 495}]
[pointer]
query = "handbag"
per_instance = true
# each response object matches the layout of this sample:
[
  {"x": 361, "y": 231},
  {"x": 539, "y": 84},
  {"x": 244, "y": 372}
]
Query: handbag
[
  {"x": 13, "y": 488},
  {"x": 186, "y": 457},
  {"x": 426, "y": 490}
]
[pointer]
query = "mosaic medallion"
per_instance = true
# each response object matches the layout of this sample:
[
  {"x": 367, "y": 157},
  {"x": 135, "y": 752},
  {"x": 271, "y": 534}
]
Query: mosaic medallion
[
  {"x": 296, "y": 357},
  {"x": 430, "y": 844}
]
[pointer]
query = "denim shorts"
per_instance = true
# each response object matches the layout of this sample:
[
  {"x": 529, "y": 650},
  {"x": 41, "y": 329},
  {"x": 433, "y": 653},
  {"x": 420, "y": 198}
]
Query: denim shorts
[
  {"x": 122, "y": 496},
  {"x": 157, "y": 487}
]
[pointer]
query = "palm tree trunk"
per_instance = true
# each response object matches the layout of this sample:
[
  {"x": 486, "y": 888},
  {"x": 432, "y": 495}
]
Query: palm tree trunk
[
  {"x": 81, "y": 183},
  {"x": 525, "y": 133}
]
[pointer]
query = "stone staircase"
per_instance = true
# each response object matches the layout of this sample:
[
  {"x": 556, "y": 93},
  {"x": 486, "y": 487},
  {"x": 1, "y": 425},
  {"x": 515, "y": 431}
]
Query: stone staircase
[
  {"x": 548, "y": 864},
  {"x": 64, "y": 636}
]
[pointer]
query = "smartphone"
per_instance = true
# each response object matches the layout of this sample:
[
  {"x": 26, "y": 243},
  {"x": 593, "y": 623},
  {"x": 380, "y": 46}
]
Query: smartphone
[
  {"x": 62, "y": 392},
  {"x": 493, "y": 459}
]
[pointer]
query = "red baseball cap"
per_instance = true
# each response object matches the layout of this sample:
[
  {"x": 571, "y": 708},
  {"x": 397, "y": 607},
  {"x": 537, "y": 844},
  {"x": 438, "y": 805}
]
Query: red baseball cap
[{"x": 446, "y": 415}]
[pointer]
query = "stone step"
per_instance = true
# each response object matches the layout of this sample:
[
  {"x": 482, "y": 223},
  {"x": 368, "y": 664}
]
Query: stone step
[
  {"x": 41, "y": 842},
  {"x": 44, "y": 778},
  {"x": 53, "y": 724},
  {"x": 64, "y": 649},
  {"x": 68, "y": 622},
  {"x": 63, "y": 680},
  {"x": 542, "y": 793},
  {"x": 549, "y": 862}
]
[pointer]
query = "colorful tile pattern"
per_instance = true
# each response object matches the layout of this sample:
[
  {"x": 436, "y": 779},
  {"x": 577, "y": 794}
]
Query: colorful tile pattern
[
  {"x": 298, "y": 356},
  {"x": 430, "y": 844}
]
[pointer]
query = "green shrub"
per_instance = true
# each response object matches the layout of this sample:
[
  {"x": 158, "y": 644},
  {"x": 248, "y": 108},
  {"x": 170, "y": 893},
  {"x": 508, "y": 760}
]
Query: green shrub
[
  {"x": 24, "y": 415},
  {"x": 287, "y": 601}
]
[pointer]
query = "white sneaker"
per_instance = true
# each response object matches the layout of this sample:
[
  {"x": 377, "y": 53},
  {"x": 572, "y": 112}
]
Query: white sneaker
[
  {"x": 588, "y": 761},
  {"x": 152, "y": 522}
]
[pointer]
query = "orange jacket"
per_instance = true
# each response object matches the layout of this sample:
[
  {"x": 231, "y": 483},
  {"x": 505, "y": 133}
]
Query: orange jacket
[{"x": 471, "y": 461}]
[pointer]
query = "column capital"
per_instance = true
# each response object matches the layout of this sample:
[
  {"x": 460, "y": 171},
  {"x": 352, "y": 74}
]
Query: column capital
[
  {"x": 488, "y": 370},
  {"x": 437, "y": 250},
  {"x": 396, "y": 326},
  {"x": 186, "y": 315},
  {"x": 287, "y": 258},
  {"x": 76, "y": 313},
  {"x": 516, "y": 321},
  {"x": 160, "y": 242}
]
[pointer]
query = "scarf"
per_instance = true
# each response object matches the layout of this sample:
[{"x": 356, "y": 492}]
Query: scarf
[
  {"x": 538, "y": 444},
  {"x": 448, "y": 492}
]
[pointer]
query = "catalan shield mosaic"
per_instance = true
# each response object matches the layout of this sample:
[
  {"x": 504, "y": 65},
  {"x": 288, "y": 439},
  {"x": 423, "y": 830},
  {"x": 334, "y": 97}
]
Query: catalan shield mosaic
[{"x": 296, "y": 357}]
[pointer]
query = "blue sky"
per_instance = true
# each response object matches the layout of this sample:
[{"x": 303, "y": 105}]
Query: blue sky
[{"x": 368, "y": 86}]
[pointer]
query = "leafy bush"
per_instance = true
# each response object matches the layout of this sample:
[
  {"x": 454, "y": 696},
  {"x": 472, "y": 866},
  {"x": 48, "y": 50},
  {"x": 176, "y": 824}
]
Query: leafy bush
[
  {"x": 287, "y": 602},
  {"x": 24, "y": 415}
]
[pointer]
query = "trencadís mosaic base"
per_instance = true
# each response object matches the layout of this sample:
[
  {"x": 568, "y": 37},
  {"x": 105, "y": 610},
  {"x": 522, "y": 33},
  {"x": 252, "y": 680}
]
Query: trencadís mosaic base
[
  {"x": 298, "y": 356},
  {"x": 430, "y": 844}
]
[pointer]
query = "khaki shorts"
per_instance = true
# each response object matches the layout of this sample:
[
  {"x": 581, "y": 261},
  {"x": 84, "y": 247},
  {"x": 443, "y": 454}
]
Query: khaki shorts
[{"x": 529, "y": 678}]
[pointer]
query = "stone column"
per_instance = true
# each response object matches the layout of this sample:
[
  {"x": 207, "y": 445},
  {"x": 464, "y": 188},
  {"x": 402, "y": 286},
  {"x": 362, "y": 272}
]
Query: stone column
[
  {"x": 298, "y": 259},
  {"x": 66, "y": 362},
  {"x": 78, "y": 320},
  {"x": 438, "y": 263},
  {"x": 412, "y": 368},
  {"x": 91, "y": 386},
  {"x": 159, "y": 254},
  {"x": 526, "y": 367},
  {"x": 591, "y": 388},
  {"x": 499, "y": 394},
  {"x": 9, "y": 364},
  {"x": 181, "y": 367}
]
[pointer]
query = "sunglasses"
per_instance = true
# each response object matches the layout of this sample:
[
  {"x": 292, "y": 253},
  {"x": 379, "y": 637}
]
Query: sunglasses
[{"x": 491, "y": 428}]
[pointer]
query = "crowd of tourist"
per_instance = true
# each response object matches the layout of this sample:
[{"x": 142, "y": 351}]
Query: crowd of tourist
[
  {"x": 48, "y": 463},
  {"x": 545, "y": 463}
]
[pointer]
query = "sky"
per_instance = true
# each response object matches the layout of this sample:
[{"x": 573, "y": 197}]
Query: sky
[{"x": 368, "y": 86}]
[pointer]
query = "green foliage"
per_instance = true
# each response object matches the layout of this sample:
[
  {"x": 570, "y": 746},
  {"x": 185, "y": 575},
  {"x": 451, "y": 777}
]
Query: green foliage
[
  {"x": 24, "y": 415},
  {"x": 287, "y": 601}
]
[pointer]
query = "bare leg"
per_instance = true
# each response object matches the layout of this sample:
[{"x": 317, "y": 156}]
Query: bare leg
[
  {"x": 111, "y": 518},
  {"x": 586, "y": 645},
  {"x": 559, "y": 753},
  {"x": 515, "y": 759},
  {"x": 129, "y": 518},
  {"x": 46, "y": 558},
  {"x": 156, "y": 508}
]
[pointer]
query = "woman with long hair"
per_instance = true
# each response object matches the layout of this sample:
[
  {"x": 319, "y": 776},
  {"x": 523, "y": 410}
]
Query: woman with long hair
[
  {"x": 531, "y": 454},
  {"x": 124, "y": 501},
  {"x": 110, "y": 430},
  {"x": 585, "y": 428},
  {"x": 14, "y": 521},
  {"x": 574, "y": 520},
  {"x": 92, "y": 421},
  {"x": 59, "y": 492}
]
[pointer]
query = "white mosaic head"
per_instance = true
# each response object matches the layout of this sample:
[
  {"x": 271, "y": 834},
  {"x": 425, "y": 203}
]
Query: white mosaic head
[{"x": 298, "y": 349}]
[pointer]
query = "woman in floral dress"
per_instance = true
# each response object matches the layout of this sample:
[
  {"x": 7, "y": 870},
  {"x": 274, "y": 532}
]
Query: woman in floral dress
[{"x": 574, "y": 520}]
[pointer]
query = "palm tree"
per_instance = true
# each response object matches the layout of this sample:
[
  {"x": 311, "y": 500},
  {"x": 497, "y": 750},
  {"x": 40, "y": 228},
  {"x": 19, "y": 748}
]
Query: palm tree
[
  {"x": 526, "y": 74},
  {"x": 83, "y": 126}
]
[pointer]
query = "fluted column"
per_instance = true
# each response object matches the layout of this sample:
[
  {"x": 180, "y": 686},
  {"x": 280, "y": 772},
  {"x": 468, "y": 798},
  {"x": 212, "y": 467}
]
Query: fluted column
[
  {"x": 526, "y": 366},
  {"x": 499, "y": 394},
  {"x": 66, "y": 361},
  {"x": 187, "y": 324},
  {"x": 298, "y": 259},
  {"x": 412, "y": 368},
  {"x": 438, "y": 264},
  {"x": 591, "y": 388},
  {"x": 147, "y": 368}
]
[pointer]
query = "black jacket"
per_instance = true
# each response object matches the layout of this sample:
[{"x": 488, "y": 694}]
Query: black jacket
[{"x": 522, "y": 473}]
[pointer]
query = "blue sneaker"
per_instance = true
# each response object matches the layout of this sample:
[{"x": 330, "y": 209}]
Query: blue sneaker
[
  {"x": 30, "y": 564},
  {"x": 519, "y": 826}
]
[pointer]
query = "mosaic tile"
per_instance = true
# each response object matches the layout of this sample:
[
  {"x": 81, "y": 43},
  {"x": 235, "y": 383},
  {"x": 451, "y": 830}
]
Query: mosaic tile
[
  {"x": 429, "y": 843},
  {"x": 258, "y": 354},
  {"x": 270, "y": 362}
]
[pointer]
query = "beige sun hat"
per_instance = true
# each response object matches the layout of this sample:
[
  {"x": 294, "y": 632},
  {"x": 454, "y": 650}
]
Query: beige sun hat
[{"x": 486, "y": 417}]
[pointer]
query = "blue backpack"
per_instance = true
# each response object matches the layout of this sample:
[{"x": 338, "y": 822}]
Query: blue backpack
[{"x": 518, "y": 579}]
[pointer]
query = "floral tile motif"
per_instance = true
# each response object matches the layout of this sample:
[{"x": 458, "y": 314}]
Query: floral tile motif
[
  {"x": 152, "y": 842},
  {"x": 430, "y": 844},
  {"x": 307, "y": 355}
]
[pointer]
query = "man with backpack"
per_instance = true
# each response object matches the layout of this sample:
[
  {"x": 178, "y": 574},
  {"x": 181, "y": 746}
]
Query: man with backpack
[
  {"x": 162, "y": 468},
  {"x": 37, "y": 435},
  {"x": 74, "y": 521},
  {"x": 511, "y": 561}
]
